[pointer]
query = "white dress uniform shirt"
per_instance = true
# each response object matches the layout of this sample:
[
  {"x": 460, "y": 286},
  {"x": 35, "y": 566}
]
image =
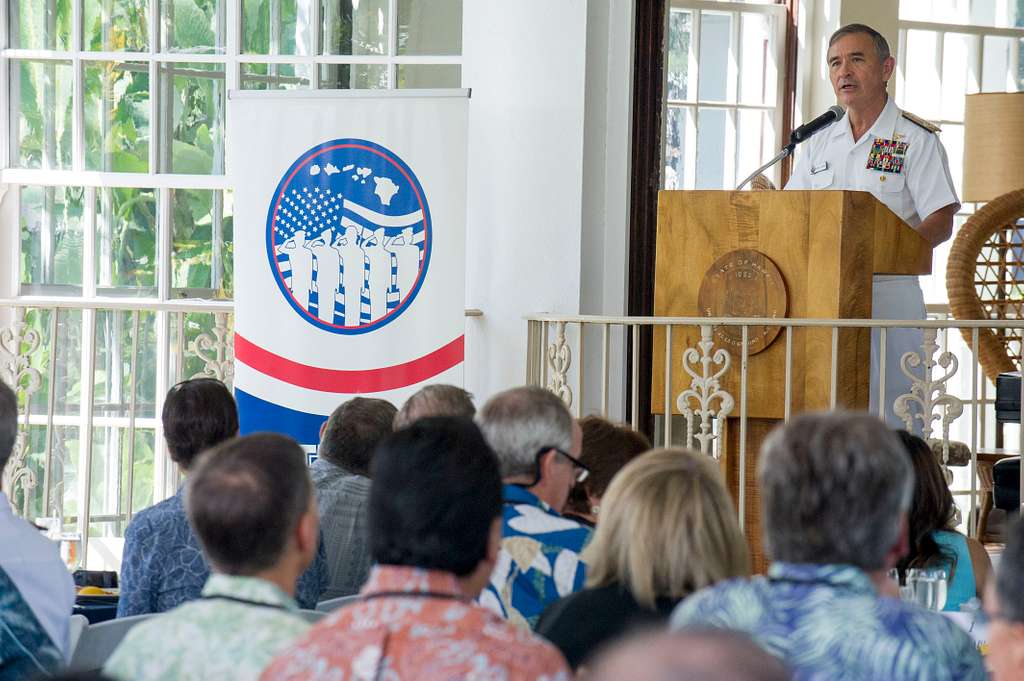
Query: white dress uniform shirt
[
  {"x": 833, "y": 159},
  {"x": 34, "y": 565}
]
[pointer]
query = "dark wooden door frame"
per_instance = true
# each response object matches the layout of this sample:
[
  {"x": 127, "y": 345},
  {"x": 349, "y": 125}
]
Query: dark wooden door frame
[{"x": 648, "y": 122}]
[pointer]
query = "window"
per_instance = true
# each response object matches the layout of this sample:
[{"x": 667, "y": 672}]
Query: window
[
  {"x": 724, "y": 79},
  {"x": 116, "y": 123},
  {"x": 978, "y": 48}
]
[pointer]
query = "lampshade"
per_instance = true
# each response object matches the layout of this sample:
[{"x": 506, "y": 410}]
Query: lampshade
[{"x": 993, "y": 145}]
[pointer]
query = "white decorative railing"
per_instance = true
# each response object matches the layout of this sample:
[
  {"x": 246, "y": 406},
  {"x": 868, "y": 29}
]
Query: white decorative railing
[
  {"x": 79, "y": 463},
  {"x": 934, "y": 406}
]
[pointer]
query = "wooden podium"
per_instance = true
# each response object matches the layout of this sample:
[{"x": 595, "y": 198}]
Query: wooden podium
[{"x": 798, "y": 254}]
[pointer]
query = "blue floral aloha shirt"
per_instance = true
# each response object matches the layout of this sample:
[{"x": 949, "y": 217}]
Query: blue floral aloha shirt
[
  {"x": 828, "y": 623},
  {"x": 539, "y": 560},
  {"x": 163, "y": 566}
]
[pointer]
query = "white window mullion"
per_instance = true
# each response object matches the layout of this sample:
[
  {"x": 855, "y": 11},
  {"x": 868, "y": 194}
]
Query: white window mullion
[
  {"x": 89, "y": 244},
  {"x": 164, "y": 237},
  {"x": 392, "y": 44}
]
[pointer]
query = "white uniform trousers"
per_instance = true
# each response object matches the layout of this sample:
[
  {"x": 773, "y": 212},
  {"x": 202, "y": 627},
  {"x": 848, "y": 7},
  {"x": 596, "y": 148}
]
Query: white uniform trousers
[{"x": 895, "y": 297}]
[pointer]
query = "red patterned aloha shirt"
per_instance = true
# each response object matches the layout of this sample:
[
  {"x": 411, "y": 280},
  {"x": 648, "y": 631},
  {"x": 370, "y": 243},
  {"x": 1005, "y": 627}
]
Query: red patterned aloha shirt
[{"x": 416, "y": 625}]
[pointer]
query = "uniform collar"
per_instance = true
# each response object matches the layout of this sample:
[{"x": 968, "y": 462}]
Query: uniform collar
[
  {"x": 884, "y": 126},
  {"x": 251, "y": 589}
]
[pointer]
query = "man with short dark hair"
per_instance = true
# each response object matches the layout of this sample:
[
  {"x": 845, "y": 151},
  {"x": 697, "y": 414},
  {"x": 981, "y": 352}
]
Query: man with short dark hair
[
  {"x": 341, "y": 476},
  {"x": 538, "y": 444},
  {"x": 438, "y": 399},
  {"x": 36, "y": 591},
  {"x": 835, "y": 489},
  {"x": 1004, "y": 604},
  {"x": 162, "y": 565},
  {"x": 251, "y": 503},
  {"x": 435, "y": 528}
]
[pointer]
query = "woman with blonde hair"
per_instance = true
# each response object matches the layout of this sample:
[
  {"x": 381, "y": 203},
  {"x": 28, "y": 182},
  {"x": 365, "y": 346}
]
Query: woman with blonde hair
[{"x": 667, "y": 529}]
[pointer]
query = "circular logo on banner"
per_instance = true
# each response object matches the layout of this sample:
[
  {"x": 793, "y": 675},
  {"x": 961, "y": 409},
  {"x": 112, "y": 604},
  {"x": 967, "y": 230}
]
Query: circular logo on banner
[{"x": 349, "y": 236}]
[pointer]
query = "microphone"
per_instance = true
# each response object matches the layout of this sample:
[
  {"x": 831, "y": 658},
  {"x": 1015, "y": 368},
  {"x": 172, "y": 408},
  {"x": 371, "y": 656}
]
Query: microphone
[
  {"x": 801, "y": 134},
  {"x": 806, "y": 130}
]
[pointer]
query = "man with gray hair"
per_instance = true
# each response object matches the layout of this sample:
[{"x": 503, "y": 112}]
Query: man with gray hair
[
  {"x": 835, "y": 489},
  {"x": 538, "y": 447},
  {"x": 435, "y": 400}
]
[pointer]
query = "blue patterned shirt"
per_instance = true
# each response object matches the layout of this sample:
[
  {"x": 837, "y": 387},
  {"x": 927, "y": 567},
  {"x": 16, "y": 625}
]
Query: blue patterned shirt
[
  {"x": 828, "y": 623},
  {"x": 163, "y": 565},
  {"x": 539, "y": 560}
]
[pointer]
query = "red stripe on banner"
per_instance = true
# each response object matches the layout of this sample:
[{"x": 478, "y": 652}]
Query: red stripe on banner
[{"x": 349, "y": 382}]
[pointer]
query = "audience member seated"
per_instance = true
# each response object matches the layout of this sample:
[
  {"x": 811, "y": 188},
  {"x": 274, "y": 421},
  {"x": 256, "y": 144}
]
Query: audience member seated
[
  {"x": 1004, "y": 605},
  {"x": 835, "y": 491},
  {"x": 435, "y": 531},
  {"x": 251, "y": 503},
  {"x": 667, "y": 528},
  {"x": 538, "y": 447},
  {"x": 435, "y": 400},
  {"x": 342, "y": 480},
  {"x": 606, "y": 448},
  {"x": 163, "y": 565},
  {"x": 36, "y": 590},
  {"x": 699, "y": 655},
  {"x": 934, "y": 541}
]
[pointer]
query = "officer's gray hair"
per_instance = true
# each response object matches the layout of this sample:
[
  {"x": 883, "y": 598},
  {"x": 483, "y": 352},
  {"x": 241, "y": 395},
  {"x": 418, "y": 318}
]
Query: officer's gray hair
[
  {"x": 520, "y": 422},
  {"x": 881, "y": 44},
  {"x": 834, "y": 486}
]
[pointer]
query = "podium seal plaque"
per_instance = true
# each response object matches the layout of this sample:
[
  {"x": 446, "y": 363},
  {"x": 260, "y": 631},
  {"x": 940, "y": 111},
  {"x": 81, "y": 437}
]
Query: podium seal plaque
[{"x": 744, "y": 283}]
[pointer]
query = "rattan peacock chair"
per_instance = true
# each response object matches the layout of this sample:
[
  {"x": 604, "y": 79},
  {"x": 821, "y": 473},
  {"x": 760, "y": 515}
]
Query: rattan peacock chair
[{"x": 985, "y": 279}]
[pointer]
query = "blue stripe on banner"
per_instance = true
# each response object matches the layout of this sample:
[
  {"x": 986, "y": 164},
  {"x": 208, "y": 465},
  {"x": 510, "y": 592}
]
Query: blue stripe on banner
[{"x": 256, "y": 415}]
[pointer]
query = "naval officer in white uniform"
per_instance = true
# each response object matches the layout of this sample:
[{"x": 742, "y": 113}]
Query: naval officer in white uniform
[{"x": 897, "y": 157}]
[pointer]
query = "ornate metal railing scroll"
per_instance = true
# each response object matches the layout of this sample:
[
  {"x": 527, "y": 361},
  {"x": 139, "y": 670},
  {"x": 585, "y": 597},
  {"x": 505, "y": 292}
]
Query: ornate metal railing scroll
[
  {"x": 18, "y": 342},
  {"x": 559, "y": 358},
  {"x": 705, "y": 366},
  {"x": 928, "y": 391},
  {"x": 216, "y": 351}
]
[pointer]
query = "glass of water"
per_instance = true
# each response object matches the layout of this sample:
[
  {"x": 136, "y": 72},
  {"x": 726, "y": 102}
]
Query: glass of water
[{"x": 929, "y": 587}]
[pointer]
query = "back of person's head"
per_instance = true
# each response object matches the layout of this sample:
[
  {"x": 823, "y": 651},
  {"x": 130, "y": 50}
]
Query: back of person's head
[
  {"x": 198, "y": 414},
  {"x": 245, "y": 498},
  {"x": 1010, "y": 577},
  {"x": 520, "y": 423},
  {"x": 435, "y": 400},
  {"x": 667, "y": 529},
  {"x": 354, "y": 430},
  {"x": 435, "y": 495},
  {"x": 834, "y": 488},
  {"x": 8, "y": 423},
  {"x": 932, "y": 507},
  {"x": 1004, "y": 602},
  {"x": 606, "y": 448},
  {"x": 688, "y": 655}
]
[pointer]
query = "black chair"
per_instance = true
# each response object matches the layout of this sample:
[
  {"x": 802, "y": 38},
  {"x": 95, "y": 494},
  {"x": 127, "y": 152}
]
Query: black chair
[{"x": 1006, "y": 485}]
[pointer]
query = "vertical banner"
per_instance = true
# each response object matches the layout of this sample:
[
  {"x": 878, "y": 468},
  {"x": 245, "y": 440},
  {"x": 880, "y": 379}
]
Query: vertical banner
[{"x": 349, "y": 238}]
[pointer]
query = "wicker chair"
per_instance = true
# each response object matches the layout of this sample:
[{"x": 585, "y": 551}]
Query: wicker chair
[{"x": 985, "y": 280}]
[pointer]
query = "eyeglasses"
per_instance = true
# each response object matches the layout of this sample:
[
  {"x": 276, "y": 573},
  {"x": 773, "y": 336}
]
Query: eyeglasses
[{"x": 582, "y": 471}]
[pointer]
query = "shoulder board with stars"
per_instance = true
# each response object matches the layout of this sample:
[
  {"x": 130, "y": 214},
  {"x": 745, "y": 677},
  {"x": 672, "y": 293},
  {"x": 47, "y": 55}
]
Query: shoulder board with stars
[{"x": 917, "y": 120}]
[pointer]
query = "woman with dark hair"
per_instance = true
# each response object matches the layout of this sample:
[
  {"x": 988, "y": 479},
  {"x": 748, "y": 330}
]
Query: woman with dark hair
[
  {"x": 606, "y": 448},
  {"x": 934, "y": 541}
]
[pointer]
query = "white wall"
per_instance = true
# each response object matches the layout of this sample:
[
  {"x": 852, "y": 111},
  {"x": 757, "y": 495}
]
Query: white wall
[
  {"x": 525, "y": 62},
  {"x": 606, "y": 191}
]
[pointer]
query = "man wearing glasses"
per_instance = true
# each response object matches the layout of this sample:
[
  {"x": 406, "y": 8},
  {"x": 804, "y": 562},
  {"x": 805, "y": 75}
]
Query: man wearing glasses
[{"x": 537, "y": 443}]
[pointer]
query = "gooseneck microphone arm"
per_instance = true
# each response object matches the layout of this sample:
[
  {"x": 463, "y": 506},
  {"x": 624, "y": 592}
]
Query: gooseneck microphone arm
[{"x": 801, "y": 134}]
